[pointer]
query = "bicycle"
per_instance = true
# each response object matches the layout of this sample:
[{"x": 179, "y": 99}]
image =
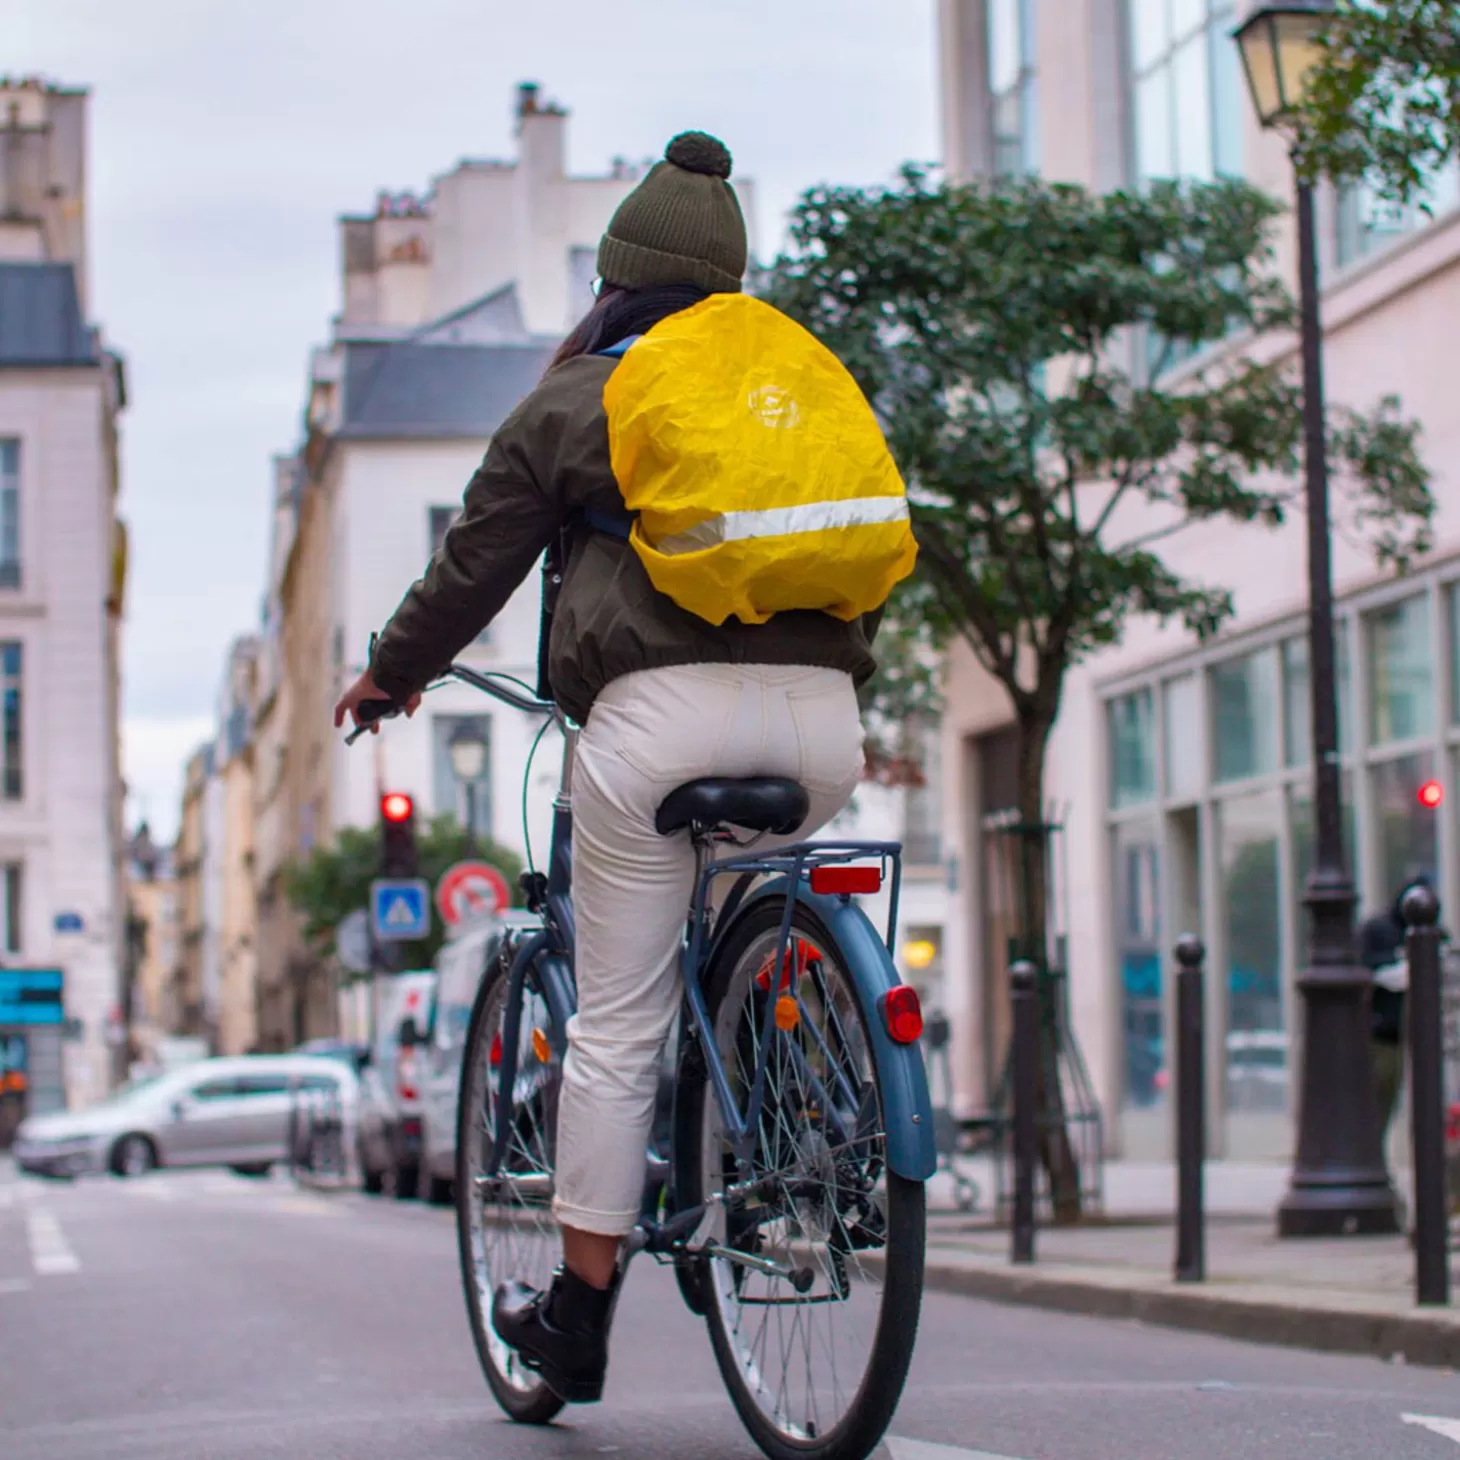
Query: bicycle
[{"x": 791, "y": 1184}]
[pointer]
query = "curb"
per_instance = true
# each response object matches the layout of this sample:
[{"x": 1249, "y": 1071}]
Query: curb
[{"x": 1414, "y": 1337}]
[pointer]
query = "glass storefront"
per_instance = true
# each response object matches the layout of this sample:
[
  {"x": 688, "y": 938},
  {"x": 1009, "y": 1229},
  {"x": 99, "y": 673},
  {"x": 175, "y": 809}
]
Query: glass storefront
[{"x": 1221, "y": 740}]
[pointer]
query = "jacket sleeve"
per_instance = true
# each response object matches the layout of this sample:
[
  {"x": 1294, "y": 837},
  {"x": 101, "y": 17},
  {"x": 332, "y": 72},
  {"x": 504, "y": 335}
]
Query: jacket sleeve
[{"x": 508, "y": 518}]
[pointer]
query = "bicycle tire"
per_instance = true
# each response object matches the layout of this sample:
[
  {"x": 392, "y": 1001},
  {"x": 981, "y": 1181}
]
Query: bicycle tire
[
  {"x": 858, "y": 1430},
  {"x": 520, "y": 1393}
]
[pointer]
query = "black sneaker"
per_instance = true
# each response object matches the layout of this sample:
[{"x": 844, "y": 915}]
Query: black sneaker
[{"x": 561, "y": 1334}]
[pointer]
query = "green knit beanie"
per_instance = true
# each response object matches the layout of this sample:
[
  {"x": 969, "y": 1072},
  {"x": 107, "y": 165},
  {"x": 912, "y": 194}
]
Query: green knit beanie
[{"x": 681, "y": 225}]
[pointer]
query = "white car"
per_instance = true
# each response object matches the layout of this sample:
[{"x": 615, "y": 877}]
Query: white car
[
  {"x": 460, "y": 965},
  {"x": 215, "y": 1112},
  {"x": 388, "y": 1140}
]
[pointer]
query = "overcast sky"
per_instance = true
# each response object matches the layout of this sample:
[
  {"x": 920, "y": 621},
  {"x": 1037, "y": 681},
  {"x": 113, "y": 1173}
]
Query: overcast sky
[{"x": 227, "y": 138}]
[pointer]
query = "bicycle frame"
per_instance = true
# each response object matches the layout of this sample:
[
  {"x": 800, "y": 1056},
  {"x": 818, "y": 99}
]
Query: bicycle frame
[{"x": 550, "y": 953}]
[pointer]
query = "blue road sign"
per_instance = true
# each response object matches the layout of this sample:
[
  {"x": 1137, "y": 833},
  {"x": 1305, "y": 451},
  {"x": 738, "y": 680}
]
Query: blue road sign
[{"x": 400, "y": 909}]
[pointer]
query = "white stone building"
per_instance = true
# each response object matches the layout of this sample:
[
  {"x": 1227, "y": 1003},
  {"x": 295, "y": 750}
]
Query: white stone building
[{"x": 61, "y": 565}]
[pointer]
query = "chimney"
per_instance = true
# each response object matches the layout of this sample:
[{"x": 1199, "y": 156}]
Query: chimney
[{"x": 527, "y": 95}]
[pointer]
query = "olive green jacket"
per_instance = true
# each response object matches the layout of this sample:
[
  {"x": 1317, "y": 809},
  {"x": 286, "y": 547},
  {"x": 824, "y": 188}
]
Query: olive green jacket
[{"x": 548, "y": 464}]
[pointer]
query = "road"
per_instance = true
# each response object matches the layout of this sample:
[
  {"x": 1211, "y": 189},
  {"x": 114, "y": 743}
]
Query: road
[{"x": 190, "y": 1315}]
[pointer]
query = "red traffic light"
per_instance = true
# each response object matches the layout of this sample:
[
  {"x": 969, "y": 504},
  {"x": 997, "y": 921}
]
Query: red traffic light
[
  {"x": 1431, "y": 794},
  {"x": 397, "y": 806}
]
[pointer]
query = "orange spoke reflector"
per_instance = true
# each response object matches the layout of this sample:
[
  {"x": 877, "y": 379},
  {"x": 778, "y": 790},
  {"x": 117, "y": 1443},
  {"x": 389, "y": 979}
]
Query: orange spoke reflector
[
  {"x": 844, "y": 881},
  {"x": 540, "y": 1047},
  {"x": 788, "y": 1013},
  {"x": 805, "y": 954},
  {"x": 494, "y": 1058}
]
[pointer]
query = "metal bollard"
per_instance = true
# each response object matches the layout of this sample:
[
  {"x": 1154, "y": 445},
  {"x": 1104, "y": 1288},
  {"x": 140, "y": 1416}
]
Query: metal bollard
[
  {"x": 1026, "y": 1097},
  {"x": 1191, "y": 1245},
  {"x": 1427, "y": 1096}
]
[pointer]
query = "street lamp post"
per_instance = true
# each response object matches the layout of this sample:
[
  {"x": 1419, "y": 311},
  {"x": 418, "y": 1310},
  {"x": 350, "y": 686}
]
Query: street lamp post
[
  {"x": 468, "y": 748},
  {"x": 1339, "y": 1184}
]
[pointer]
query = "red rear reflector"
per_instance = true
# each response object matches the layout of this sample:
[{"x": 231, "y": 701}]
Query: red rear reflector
[
  {"x": 902, "y": 1013},
  {"x": 494, "y": 1058},
  {"x": 844, "y": 881}
]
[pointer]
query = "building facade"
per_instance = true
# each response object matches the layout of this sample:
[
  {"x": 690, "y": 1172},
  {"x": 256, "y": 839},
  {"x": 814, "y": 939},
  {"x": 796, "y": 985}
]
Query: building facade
[
  {"x": 238, "y": 912},
  {"x": 1185, "y": 769},
  {"x": 62, "y": 560},
  {"x": 152, "y": 896}
]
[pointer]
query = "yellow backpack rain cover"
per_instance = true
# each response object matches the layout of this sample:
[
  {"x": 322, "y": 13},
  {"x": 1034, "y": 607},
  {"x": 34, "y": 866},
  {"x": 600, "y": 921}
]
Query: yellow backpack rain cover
[{"x": 758, "y": 474}]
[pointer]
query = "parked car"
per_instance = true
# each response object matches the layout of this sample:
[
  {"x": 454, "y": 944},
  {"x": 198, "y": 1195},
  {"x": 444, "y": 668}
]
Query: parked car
[
  {"x": 460, "y": 966},
  {"x": 215, "y": 1112},
  {"x": 354, "y": 1054},
  {"x": 389, "y": 1132}
]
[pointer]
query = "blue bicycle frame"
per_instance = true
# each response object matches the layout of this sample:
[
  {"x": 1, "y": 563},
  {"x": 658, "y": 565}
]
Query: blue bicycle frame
[{"x": 548, "y": 955}]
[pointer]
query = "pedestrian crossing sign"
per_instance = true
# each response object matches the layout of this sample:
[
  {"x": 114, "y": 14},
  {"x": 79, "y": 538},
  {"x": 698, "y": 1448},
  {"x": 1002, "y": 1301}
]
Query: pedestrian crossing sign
[{"x": 400, "y": 909}]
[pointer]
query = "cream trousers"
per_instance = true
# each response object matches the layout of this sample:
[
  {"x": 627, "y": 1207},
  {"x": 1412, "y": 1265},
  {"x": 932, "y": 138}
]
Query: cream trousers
[{"x": 650, "y": 732}]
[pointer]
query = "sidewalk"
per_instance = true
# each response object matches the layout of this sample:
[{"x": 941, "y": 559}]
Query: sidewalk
[{"x": 1353, "y": 1295}]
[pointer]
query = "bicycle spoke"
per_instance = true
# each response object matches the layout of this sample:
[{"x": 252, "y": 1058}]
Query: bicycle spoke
[{"x": 818, "y": 1155}]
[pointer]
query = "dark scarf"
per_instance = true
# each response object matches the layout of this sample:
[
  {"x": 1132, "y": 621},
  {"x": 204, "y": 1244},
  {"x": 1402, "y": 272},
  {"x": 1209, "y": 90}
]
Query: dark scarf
[{"x": 637, "y": 311}]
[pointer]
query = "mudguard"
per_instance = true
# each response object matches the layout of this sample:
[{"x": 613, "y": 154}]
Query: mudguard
[{"x": 906, "y": 1104}]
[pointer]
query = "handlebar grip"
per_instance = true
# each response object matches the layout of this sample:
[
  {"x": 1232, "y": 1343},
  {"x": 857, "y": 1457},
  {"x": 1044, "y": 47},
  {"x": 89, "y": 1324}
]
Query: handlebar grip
[{"x": 367, "y": 712}]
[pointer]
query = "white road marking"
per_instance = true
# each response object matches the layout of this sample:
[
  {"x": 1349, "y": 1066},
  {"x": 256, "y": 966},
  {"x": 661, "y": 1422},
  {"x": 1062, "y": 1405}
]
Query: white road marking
[
  {"x": 14, "y": 1285},
  {"x": 150, "y": 1187},
  {"x": 1449, "y": 1428},
  {"x": 921, "y": 1450},
  {"x": 50, "y": 1253}
]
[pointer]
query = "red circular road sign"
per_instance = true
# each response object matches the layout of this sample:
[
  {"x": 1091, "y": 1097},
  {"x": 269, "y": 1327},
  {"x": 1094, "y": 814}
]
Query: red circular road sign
[{"x": 471, "y": 889}]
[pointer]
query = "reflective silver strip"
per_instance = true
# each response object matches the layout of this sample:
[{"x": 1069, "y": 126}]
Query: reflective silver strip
[{"x": 783, "y": 521}]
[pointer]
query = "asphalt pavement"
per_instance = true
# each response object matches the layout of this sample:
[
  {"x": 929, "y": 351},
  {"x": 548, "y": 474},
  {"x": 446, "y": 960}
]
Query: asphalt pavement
[{"x": 196, "y": 1315}]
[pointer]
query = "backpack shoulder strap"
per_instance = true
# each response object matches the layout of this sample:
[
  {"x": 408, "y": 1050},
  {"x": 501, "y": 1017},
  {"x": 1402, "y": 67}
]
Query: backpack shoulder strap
[{"x": 621, "y": 349}]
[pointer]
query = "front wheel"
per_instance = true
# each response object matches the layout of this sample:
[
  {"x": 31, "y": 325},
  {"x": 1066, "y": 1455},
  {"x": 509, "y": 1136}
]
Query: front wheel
[
  {"x": 814, "y": 1343},
  {"x": 504, "y": 1222}
]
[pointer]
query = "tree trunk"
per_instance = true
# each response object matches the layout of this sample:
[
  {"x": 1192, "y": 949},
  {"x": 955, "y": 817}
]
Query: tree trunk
[{"x": 1032, "y": 879}]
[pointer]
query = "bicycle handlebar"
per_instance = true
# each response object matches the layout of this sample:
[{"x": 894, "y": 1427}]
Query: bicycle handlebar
[{"x": 371, "y": 712}]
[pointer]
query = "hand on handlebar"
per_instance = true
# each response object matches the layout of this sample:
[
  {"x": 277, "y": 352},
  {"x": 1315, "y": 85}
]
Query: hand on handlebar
[{"x": 367, "y": 704}]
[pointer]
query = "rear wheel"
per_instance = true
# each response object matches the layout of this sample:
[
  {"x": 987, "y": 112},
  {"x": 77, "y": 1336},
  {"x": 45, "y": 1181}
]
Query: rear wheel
[
  {"x": 815, "y": 1350},
  {"x": 504, "y": 1222}
]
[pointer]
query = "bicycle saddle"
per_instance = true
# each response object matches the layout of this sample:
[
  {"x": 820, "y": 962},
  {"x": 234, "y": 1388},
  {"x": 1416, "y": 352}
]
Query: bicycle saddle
[{"x": 761, "y": 803}]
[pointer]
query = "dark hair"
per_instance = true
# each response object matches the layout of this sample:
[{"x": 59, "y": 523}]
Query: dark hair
[{"x": 618, "y": 313}]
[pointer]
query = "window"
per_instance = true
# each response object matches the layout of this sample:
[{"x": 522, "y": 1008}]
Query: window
[
  {"x": 216, "y": 1090},
  {"x": 922, "y": 807},
  {"x": 1188, "y": 95},
  {"x": 1012, "y": 94},
  {"x": 1244, "y": 716},
  {"x": 9, "y": 514},
  {"x": 451, "y": 795},
  {"x": 255, "y": 1085},
  {"x": 1181, "y": 708},
  {"x": 10, "y": 907},
  {"x": 1298, "y": 697},
  {"x": 1256, "y": 1045},
  {"x": 1132, "y": 749},
  {"x": 1364, "y": 224},
  {"x": 1401, "y": 694},
  {"x": 440, "y": 520},
  {"x": 12, "y": 781},
  {"x": 1139, "y": 953},
  {"x": 1408, "y": 830},
  {"x": 1454, "y": 598}
]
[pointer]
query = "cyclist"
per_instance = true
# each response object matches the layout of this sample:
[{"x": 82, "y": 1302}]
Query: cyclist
[{"x": 663, "y": 696}]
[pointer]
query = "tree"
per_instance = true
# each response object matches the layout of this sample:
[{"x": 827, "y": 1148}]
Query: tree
[
  {"x": 1383, "y": 104},
  {"x": 332, "y": 882},
  {"x": 998, "y": 332}
]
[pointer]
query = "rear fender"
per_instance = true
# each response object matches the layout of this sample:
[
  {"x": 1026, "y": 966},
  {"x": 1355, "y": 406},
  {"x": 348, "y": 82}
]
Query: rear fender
[{"x": 906, "y": 1105}]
